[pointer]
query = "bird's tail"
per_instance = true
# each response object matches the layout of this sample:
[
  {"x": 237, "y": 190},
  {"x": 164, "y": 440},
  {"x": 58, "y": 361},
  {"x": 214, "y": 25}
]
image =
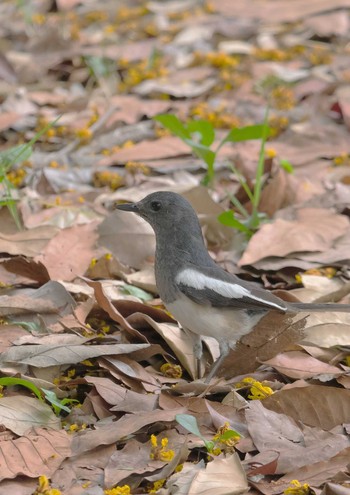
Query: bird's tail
[{"x": 314, "y": 307}]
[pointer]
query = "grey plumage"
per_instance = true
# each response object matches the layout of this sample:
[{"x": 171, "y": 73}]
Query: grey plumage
[{"x": 204, "y": 298}]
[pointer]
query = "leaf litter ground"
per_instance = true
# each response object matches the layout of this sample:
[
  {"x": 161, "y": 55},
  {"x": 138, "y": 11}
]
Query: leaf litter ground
[{"x": 81, "y": 321}]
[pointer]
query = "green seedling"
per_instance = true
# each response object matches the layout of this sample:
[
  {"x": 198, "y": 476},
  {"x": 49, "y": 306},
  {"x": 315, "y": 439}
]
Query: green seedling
[
  {"x": 8, "y": 158},
  {"x": 42, "y": 394},
  {"x": 189, "y": 422},
  {"x": 200, "y": 135}
]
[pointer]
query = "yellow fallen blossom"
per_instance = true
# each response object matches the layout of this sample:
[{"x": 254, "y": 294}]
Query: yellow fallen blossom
[
  {"x": 282, "y": 98},
  {"x": 38, "y": 19},
  {"x": 44, "y": 487},
  {"x": 84, "y": 135},
  {"x": 108, "y": 178},
  {"x": 277, "y": 125},
  {"x": 328, "y": 272},
  {"x": 231, "y": 441},
  {"x": 342, "y": 159},
  {"x": 157, "y": 485},
  {"x": 258, "y": 391},
  {"x": 319, "y": 56},
  {"x": 160, "y": 452},
  {"x": 171, "y": 370},
  {"x": 17, "y": 177},
  {"x": 118, "y": 490},
  {"x": 96, "y": 16},
  {"x": 274, "y": 54},
  {"x": 270, "y": 153},
  {"x": 134, "y": 167},
  {"x": 297, "y": 488}
]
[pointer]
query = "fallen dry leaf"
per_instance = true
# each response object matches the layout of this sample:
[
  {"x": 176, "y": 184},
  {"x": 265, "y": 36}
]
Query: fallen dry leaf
[
  {"x": 313, "y": 230},
  {"x": 20, "y": 413},
  {"x": 314, "y": 405}
]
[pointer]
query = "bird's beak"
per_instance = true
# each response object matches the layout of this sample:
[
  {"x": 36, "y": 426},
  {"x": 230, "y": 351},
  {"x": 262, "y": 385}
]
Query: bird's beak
[{"x": 128, "y": 207}]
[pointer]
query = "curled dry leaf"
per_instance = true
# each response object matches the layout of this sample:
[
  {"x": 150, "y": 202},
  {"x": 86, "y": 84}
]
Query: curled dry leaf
[
  {"x": 78, "y": 245},
  {"x": 38, "y": 452},
  {"x": 315, "y": 405},
  {"x": 20, "y": 413},
  {"x": 222, "y": 476},
  {"x": 312, "y": 230},
  {"x": 297, "y": 364},
  {"x": 42, "y": 356},
  {"x": 129, "y": 238}
]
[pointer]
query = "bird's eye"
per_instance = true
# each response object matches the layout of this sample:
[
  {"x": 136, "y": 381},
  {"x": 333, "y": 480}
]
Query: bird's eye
[{"x": 156, "y": 205}]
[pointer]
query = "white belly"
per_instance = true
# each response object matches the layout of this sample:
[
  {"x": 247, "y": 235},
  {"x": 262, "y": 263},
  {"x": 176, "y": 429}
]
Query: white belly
[{"x": 224, "y": 324}]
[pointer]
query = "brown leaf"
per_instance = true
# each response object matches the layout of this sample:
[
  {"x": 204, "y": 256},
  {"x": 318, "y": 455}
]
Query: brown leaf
[
  {"x": 70, "y": 252},
  {"x": 297, "y": 364},
  {"x": 27, "y": 268},
  {"x": 315, "y": 405},
  {"x": 46, "y": 355},
  {"x": 20, "y": 413},
  {"x": 293, "y": 446},
  {"x": 272, "y": 334},
  {"x": 27, "y": 242},
  {"x": 39, "y": 452},
  {"x": 129, "y": 238},
  {"x": 128, "y": 424},
  {"x": 313, "y": 230}
]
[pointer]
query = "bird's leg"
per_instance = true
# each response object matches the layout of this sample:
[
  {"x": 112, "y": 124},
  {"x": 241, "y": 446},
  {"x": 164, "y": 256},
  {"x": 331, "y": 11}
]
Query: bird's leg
[
  {"x": 224, "y": 350},
  {"x": 197, "y": 350}
]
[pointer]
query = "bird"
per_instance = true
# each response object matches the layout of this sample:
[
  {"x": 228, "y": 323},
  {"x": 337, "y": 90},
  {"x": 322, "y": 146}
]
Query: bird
[{"x": 204, "y": 298}]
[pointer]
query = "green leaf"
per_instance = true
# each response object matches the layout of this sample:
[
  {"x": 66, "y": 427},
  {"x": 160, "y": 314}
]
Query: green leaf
[
  {"x": 229, "y": 434},
  {"x": 57, "y": 404},
  {"x": 227, "y": 218},
  {"x": 137, "y": 292},
  {"x": 189, "y": 422},
  {"x": 173, "y": 124},
  {"x": 11, "y": 156},
  {"x": 9, "y": 382},
  {"x": 246, "y": 133},
  {"x": 287, "y": 166},
  {"x": 204, "y": 128}
]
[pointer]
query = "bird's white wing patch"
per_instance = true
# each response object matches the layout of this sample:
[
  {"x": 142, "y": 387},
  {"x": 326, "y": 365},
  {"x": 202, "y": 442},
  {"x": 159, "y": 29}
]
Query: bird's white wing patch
[{"x": 200, "y": 281}]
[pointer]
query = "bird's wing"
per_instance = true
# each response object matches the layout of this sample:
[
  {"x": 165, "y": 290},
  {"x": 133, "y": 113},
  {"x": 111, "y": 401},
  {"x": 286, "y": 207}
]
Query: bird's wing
[{"x": 214, "y": 286}]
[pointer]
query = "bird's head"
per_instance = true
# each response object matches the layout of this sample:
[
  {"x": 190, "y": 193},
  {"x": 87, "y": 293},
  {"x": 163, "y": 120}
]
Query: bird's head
[{"x": 164, "y": 210}]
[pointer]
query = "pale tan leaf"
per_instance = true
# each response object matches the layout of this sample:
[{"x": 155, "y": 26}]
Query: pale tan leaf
[
  {"x": 315, "y": 405},
  {"x": 297, "y": 364},
  {"x": 39, "y": 452},
  {"x": 46, "y": 355},
  {"x": 129, "y": 238},
  {"x": 222, "y": 476},
  {"x": 312, "y": 230},
  {"x": 70, "y": 252},
  {"x": 19, "y": 413},
  {"x": 28, "y": 242}
]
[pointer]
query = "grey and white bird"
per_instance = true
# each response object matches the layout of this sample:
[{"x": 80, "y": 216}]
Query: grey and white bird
[{"x": 204, "y": 298}]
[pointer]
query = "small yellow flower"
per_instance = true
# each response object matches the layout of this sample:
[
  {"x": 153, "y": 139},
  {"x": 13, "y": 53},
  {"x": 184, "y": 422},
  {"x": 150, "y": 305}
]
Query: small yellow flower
[
  {"x": 108, "y": 256},
  {"x": 297, "y": 488},
  {"x": 44, "y": 487},
  {"x": 171, "y": 370},
  {"x": 38, "y": 19},
  {"x": 118, "y": 490},
  {"x": 159, "y": 452},
  {"x": 258, "y": 391},
  {"x": 270, "y": 153},
  {"x": 347, "y": 360},
  {"x": 282, "y": 98},
  {"x": 157, "y": 485}
]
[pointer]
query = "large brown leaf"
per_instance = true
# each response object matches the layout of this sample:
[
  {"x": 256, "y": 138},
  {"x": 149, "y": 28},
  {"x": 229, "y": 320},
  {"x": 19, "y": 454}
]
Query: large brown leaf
[{"x": 315, "y": 405}]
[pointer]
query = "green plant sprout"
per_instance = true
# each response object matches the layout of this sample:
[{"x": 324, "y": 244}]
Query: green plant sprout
[
  {"x": 43, "y": 394},
  {"x": 10, "y": 157},
  {"x": 199, "y": 135},
  {"x": 189, "y": 422}
]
